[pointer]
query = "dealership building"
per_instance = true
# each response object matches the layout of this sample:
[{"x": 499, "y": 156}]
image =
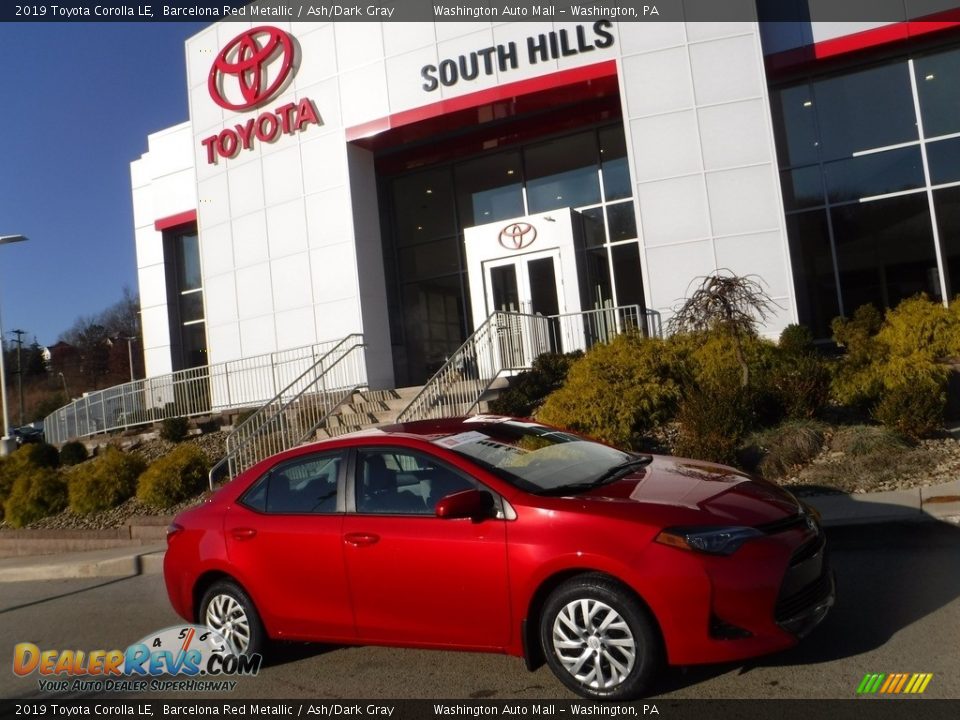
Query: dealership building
[{"x": 352, "y": 178}]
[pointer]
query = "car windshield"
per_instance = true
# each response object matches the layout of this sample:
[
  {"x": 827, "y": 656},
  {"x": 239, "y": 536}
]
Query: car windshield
[{"x": 539, "y": 459}]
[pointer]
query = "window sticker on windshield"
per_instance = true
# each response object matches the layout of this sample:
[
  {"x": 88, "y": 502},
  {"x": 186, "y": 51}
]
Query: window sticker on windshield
[
  {"x": 485, "y": 419},
  {"x": 461, "y": 439}
]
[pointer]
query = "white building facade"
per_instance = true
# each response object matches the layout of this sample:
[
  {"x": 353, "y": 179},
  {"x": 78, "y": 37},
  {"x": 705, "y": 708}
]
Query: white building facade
[{"x": 404, "y": 183}]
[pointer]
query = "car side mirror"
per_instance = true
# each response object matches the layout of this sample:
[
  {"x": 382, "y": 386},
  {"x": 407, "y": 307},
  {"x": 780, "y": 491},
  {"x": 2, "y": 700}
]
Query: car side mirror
[{"x": 472, "y": 504}]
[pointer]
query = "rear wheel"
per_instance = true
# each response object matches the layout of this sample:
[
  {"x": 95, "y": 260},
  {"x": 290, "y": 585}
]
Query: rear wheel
[
  {"x": 227, "y": 609},
  {"x": 598, "y": 639}
]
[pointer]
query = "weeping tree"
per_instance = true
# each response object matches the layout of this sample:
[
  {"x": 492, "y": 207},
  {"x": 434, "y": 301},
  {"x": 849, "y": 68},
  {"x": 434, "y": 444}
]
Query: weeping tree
[{"x": 729, "y": 304}]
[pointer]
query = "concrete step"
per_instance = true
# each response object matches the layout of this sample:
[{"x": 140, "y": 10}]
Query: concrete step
[{"x": 24, "y": 546}]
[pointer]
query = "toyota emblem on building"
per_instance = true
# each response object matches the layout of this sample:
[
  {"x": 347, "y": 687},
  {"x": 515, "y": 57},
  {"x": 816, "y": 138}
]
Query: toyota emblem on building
[
  {"x": 249, "y": 63},
  {"x": 517, "y": 236}
]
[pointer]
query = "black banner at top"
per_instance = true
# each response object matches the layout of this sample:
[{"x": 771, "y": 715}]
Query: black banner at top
[{"x": 487, "y": 11}]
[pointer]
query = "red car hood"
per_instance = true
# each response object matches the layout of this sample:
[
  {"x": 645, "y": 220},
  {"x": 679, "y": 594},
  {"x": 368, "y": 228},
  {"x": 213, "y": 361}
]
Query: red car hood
[{"x": 722, "y": 493}]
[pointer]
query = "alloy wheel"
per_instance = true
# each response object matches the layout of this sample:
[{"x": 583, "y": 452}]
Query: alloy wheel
[
  {"x": 226, "y": 615},
  {"x": 594, "y": 643}
]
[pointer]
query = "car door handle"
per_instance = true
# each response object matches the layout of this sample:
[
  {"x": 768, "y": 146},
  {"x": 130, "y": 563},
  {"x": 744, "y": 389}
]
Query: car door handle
[
  {"x": 361, "y": 539},
  {"x": 243, "y": 533}
]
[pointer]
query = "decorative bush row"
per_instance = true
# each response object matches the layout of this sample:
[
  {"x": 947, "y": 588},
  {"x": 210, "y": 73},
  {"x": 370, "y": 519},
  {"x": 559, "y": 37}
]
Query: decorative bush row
[{"x": 32, "y": 486}]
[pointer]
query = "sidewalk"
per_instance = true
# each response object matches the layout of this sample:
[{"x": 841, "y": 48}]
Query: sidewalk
[{"x": 941, "y": 502}]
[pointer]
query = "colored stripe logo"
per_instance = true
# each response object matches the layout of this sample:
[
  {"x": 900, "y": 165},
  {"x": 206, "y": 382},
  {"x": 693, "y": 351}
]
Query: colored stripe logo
[{"x": 894, "y": 684}]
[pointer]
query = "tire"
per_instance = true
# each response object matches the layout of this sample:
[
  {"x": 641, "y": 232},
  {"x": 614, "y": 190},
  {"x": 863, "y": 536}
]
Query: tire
[
  {"x": 599, "y": 640},
  {"x": 226, "y": 608}
]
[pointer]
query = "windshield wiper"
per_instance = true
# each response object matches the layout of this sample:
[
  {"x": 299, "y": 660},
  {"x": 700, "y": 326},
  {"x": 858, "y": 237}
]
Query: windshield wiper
[{"x": 607, "y": 476}]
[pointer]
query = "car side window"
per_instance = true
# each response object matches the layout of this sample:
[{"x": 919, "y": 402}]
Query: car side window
[
  {"x": 402, "y": 482},
  {"x": 306, "y": 485}
]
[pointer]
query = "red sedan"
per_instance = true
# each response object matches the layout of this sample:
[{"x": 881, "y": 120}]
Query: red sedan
[{"x": 499, "y": 535}]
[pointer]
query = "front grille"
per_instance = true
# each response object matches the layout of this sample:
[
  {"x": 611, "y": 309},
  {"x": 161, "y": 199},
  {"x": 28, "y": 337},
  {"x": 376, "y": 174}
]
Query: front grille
[
  {"x": 778, "y": 526},
  {"x": 809, "y": 597},
  {"x": 809, "y": 550}
]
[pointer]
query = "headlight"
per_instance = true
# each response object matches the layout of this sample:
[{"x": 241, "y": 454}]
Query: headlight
[{"x": 711, "y": 540}]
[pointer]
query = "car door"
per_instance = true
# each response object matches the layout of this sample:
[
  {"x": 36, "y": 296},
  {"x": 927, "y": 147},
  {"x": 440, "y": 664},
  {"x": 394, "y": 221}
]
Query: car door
[
  {"x": 285, "y": 537},
  {"x": 415, "y": 578}
]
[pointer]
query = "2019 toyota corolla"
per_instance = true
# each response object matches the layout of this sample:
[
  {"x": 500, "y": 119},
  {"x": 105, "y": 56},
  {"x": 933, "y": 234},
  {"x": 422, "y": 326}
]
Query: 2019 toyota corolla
[{"x": 500, "y": 535}]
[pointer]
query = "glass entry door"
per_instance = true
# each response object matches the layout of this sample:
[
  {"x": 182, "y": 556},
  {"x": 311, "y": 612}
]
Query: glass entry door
[
  {"x": 528, "y": 284},
  {"x": 531, "y": 286}
]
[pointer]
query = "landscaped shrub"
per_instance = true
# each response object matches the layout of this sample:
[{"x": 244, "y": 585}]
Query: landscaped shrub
[
  {"x": 787, "y": 446},
  {"x": 796, "y": 340},
  {"x": 858, "y": 440},
  {"x": 105, "y": 482},
  {"x": 713, "y": 421},
  {"x": 36, "y": 493},
  {"x": 529, "y": 389},
  {"x": 73, "y": 453},
  {"x": 178, "y": 475},
  {"x": 174, "y": 429},
  {"x": 41, "y": 455},
  {"x": 617, "y": 391},
  {"x": 914, "y": 409},
  {"x": 801, "y": 383},
  {"x": 894, "y": 368}
]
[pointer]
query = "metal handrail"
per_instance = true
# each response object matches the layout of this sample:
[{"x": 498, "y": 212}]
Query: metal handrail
[
  {"x": 186, "y": 393},
  {"x": 298, "y": 410},
  {"x": 509, "y": 341}
]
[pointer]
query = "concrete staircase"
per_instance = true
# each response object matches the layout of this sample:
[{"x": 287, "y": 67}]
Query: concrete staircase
[{"x": 367, "y": 408}]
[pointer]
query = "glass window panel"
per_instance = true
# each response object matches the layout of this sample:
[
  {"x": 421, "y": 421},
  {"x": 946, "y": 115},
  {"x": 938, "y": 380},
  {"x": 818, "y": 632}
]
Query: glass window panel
[
  {"x": 626, "y": 274},
  {"x": 562, "y": 173},
  {"x": 947, "y": 204},
  {"x": 795, "y": 125},
  {"x": 613, "y": 162},
  {"x": 594, "y": 233},
  {"x": 188, "y": 262},
  {"x": 191, "y": 306},
  {"x": 424, "y": 207},
  {"x": 489, "y": 188},
  {"x": 874, "y": 174},
  {"x": 595, "y": 288},
  {"x": 939, "y": 92},
  {"x": 623, "y": 223},
  {"x": 802, "y": 187},
  {"x": 303, "y": 486},
  {"x": 503, "y": 288},
  {"x": 430, "y": 259},
  {"x": 866, "y": 109},
  {"x": 885, "y": 251},
  {"x": 542, "y": 276},
  {"x": 812, "y": 261},
  {"x": 433, "y": 324},
  {"x": 943, "y": 158},
  {"x": 194, "y": 339}
]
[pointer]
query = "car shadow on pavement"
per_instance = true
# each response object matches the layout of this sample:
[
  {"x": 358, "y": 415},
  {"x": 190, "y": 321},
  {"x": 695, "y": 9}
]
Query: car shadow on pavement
[
  {"x": 281, "y": 652},
  {"x": 888, "y": 577}
]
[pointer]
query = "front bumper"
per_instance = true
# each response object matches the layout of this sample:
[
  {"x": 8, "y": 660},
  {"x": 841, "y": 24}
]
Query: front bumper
[{"x": 808, "y": 590}]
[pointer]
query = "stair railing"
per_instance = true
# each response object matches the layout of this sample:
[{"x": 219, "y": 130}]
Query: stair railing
[
  {"x": 509, "y": 341},
  {"x": 294, "y": 414}
]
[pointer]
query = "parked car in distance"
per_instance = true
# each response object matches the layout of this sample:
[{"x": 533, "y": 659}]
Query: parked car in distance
[
  {"x": 500, "y": 535},
  {"x": 27, "y": 434}
]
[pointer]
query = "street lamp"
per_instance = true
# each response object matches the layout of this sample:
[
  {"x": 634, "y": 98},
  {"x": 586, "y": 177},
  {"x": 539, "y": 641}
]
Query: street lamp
[{"x": 7, "y": 444}]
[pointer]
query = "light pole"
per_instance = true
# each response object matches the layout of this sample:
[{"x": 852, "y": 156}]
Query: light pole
[
  {"x": 7, "y": 444},
  {"x": 129, "y": 340}
]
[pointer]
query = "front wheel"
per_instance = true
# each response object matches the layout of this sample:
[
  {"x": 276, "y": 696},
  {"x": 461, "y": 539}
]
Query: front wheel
[
  {"x": 227, "y": 609},
  {"x": 599, "y": 640}
]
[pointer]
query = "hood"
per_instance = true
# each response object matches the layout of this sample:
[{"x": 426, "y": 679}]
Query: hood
[{"x": 724, "y": 494}]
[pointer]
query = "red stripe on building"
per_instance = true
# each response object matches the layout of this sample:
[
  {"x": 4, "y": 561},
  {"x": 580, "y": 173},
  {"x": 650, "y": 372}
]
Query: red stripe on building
[
  {"x": 483, "y": 97},
  {"x": 172, "y": 221},
  {"x": 872, "y": 38}
]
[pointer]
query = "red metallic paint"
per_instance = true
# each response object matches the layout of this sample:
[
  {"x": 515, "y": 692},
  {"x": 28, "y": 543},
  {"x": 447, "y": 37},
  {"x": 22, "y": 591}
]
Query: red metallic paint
[{"x": 422, "y": 581}]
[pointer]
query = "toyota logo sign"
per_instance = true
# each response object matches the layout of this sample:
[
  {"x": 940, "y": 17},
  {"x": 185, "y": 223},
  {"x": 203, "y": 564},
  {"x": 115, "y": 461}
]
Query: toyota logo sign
[
  {"x": 249, "y": 58},
  {"x": 517, "y": 236}
]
